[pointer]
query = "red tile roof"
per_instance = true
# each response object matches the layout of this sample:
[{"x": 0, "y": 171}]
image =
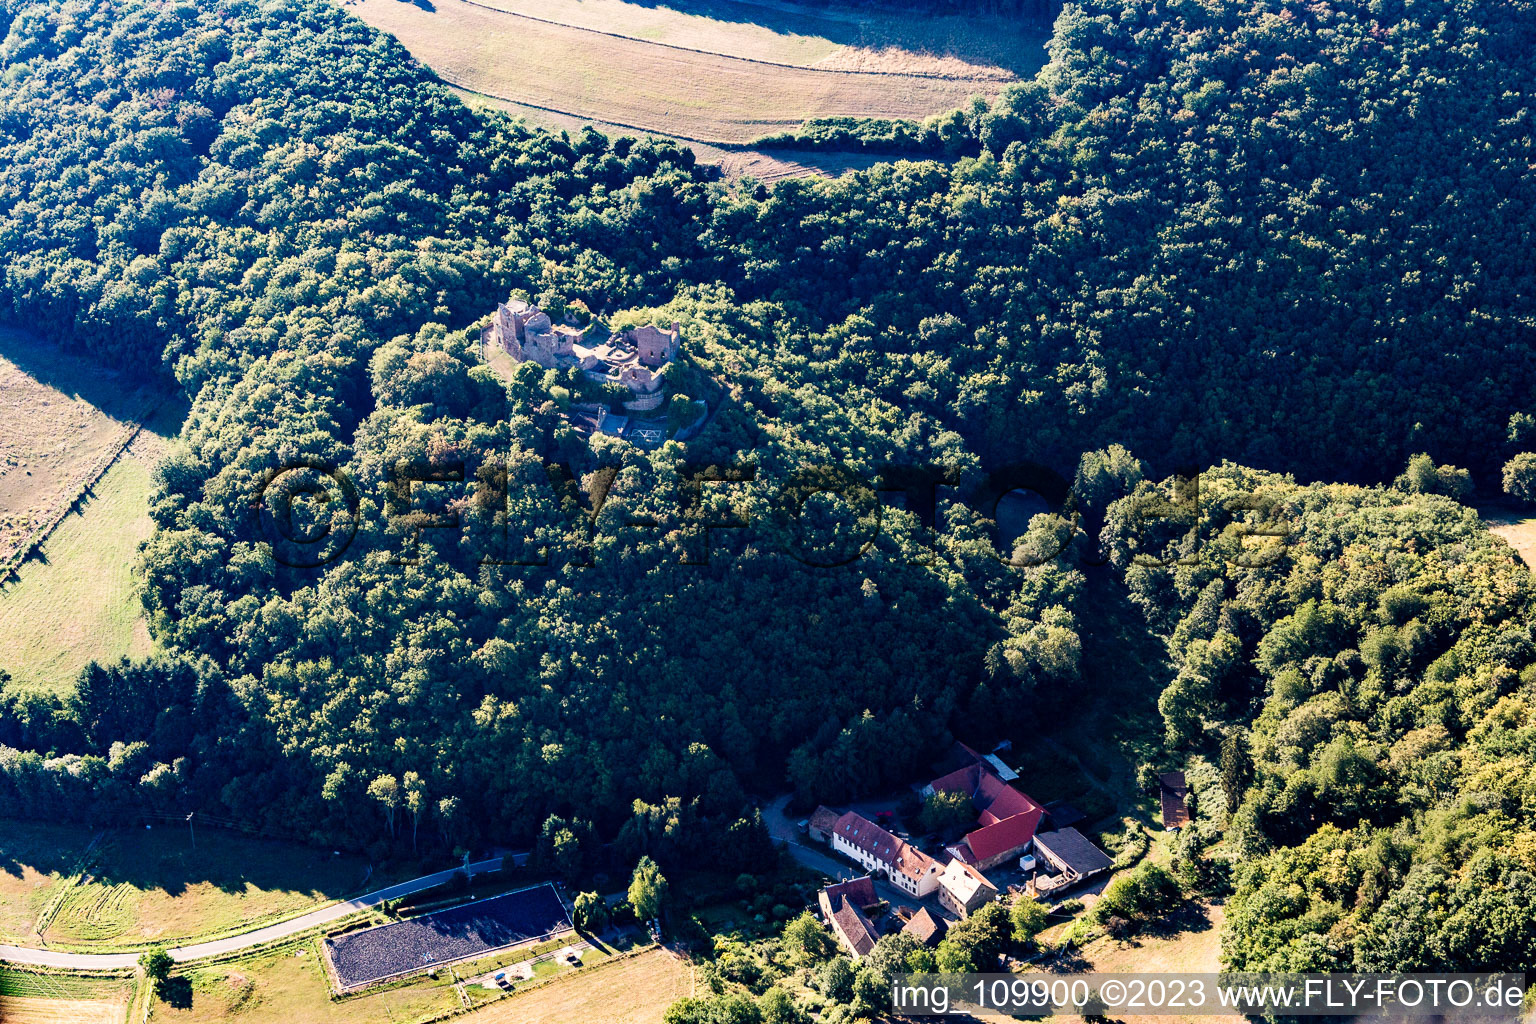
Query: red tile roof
[
  {"x": 898, "y": 855},
  {"x": 858, "y": 891},
  {"x": 1007, "y": 817},
  {"x": 854, "y": 927},
  {"x": 1008, "y": 834}
]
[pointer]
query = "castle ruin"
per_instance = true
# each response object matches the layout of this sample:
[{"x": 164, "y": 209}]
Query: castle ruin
[{"x": 636, "y": 358}]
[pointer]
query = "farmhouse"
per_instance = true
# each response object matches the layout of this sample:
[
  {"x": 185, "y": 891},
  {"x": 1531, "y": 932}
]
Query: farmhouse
[
  {"x": 1071, "y": 857},
  {"x": 843, "y": 908},
  {"x": 909, "y": 868},
  {"x": 963, "y": 890},
  {"x": 1007, "y": 818},
  {"x": 636, "y": 358}
]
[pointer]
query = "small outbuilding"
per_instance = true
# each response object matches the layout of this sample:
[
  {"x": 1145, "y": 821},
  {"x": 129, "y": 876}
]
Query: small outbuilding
[
  {"x": 1174, "y": 793},
  {"x": 822, "y": 821},
  {"x": 925, "y": 927},
  {"x": 1071, "y": 857}
]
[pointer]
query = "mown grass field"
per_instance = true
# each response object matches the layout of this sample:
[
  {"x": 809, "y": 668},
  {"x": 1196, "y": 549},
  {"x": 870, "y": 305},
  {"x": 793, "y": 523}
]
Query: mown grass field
[
  {"x": 74, "y": 600},
  {"x": 288, "y": 985},
  {"x": 27, "y": 998},
  {"x": 731, "y": 73},
  {"x": 144, "y": 886},
  {"x": 59, "y": 415},
  {"x": 1517, "y": 526},
  {"x": 635, "y": 990}
]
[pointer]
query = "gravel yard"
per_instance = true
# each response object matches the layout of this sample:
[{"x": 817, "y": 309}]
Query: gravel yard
[{"x": 447, "y": 935}]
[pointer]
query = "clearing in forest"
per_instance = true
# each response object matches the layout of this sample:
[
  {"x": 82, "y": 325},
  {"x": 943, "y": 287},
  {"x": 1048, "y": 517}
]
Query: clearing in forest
[
  {"x": 61, "y": 417},
  {"x": 731, "y": 73},
  {"x": 75, "y": 600},
  {"x": 1188, "y": 941},
  {"x": 1517, "y": 526},
  {"x": 64, "y": 421}
]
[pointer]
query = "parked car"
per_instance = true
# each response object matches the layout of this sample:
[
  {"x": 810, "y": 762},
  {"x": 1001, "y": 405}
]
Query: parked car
[{"x": 501, "y": 979}]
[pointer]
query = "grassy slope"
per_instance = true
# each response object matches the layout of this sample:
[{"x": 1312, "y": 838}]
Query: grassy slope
[
  {"x": 75, "y": 601},
  {"x": 140, "y": 886}
]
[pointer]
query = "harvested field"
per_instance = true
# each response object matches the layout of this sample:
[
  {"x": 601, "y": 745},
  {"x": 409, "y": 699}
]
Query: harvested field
[
  {"x": 362, "y": 957},
  {"x": 23, "y": 1010},
  {"x": 828, "y": 38},
  {"x": 695, "y": 78},
  {"x": 28, "y": 998},
  {"x": 634, "y": 990}
]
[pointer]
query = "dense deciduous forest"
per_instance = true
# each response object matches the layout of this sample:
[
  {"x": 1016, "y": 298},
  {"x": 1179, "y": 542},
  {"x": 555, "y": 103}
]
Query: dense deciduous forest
[
  {"x": 1293, "y": 235},
  {"x": 1360, "y": 664}
]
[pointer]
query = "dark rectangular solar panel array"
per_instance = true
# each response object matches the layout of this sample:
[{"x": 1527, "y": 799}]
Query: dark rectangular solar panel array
[{"x": 470, "y": 930}]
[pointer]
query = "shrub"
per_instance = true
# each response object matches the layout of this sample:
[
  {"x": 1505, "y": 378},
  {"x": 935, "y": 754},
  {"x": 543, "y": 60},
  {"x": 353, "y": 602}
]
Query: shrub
[{"x": 1145, "y": 893}]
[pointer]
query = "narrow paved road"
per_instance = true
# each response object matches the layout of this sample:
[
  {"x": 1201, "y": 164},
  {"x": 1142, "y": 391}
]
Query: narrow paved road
[{"x": 235, "y": 943}]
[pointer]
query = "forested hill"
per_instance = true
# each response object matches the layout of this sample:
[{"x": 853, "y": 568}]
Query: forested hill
[{"x": 1294, "y": 234}]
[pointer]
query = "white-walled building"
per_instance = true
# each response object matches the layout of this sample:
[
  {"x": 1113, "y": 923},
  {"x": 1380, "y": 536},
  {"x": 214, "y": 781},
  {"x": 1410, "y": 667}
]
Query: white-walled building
[{"x": 876, "y": 850}]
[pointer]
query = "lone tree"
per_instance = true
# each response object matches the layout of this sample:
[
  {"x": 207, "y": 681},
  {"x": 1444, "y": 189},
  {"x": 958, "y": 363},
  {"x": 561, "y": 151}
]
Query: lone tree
[
  {"x": 590, "y": 911},
  {"x": 1520, "y": 477},
  {"x": 415, "y": 801},
  {"x": 157, "y": 964},
  {"x": 1028, "y": 918},
  {"x": 647, "y": 889}
]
